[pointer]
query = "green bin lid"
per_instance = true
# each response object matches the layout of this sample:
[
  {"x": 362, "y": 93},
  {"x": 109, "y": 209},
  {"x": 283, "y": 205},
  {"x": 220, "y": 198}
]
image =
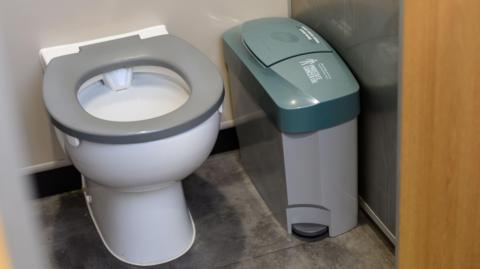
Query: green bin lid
[
  {"x": 272, "y": 40},
  {"x": 301, "y": 84}
]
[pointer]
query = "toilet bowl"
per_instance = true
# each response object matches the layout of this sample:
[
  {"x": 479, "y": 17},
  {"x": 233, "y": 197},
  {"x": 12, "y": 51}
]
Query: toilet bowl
[{"x": 136, "y": 116}]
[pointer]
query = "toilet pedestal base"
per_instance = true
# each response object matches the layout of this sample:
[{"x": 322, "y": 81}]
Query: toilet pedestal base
[{"x": 141, "y": 227}]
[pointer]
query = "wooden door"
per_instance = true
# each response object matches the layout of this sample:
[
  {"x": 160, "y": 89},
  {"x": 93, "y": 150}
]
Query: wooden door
[
  {"x": 4, "y": 261},
  {"x": 439, "y": 210}
]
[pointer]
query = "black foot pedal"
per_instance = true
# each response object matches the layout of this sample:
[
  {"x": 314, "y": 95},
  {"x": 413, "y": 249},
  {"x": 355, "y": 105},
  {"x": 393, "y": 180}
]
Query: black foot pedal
[{"x": 310, "y": 231}]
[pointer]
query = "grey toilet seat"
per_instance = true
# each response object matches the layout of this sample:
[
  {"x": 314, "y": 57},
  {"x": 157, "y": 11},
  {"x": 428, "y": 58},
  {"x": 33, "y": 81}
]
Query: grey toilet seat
[{"x": 65, "y": 75}]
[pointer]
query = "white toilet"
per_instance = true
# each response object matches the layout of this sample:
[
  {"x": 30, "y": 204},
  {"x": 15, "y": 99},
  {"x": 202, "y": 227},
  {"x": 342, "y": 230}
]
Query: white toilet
[{"x": 135, "y": 115}]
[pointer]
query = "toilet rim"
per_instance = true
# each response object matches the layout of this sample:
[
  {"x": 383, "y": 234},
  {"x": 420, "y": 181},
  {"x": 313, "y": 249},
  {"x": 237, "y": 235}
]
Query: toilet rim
[{"x": 64, "y": 76}]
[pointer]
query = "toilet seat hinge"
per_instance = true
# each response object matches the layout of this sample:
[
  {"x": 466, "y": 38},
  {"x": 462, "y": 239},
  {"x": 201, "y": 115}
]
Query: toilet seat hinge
[{"x": 73, "y": 141}]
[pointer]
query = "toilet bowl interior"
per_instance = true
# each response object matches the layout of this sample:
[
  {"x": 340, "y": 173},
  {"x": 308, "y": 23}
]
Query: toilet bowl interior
[{"x": 145, "y": 92}]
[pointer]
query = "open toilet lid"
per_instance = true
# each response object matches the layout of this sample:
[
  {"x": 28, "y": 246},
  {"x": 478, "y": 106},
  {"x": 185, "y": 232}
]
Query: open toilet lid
[{"x": 65, "y": 75}]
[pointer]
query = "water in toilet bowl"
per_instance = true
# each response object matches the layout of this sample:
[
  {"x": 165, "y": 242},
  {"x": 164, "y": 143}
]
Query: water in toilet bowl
[{"x": 154, "y": 91}]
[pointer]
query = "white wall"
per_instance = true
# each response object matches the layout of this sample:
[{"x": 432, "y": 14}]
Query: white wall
[{"x": 31, "y": 25}]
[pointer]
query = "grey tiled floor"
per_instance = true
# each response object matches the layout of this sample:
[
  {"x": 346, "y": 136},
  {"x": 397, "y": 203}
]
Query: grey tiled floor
[{"x": 234, "y": 230}]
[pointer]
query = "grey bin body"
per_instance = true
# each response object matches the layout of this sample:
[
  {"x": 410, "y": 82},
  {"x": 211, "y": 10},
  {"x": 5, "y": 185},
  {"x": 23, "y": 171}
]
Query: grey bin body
[{"x": 295, "y": 105}]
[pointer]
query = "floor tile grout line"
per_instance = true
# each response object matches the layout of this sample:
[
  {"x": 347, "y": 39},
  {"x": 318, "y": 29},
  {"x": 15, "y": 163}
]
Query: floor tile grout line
[{"x": 261, "y": 255}]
